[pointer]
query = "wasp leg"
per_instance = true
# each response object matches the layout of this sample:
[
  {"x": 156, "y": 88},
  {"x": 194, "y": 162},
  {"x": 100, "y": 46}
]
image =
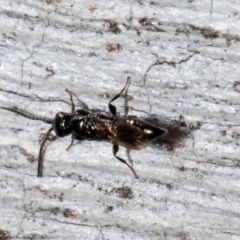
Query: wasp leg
[
  {"x": 129, "y": 158},
  {"x": 115, "y": 150},
  {"x": 70, "y": 144},
  {"x": 126, "y": 108},
  {"x": 40, "y": 156},
  {"x": 111, "y": 107},
  {"x": 71, "y": 99}
]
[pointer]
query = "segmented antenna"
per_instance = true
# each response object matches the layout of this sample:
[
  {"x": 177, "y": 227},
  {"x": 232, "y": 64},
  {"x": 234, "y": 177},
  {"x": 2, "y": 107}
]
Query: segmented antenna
[
  {"x": 27, "y": 115},
  {"x": 40, "y": 156}
]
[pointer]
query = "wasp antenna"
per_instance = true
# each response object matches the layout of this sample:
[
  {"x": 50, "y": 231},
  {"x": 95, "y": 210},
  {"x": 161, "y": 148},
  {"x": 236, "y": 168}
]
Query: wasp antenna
[
  {"x": 71, "y": 94},
  {"x": 126, "y": 97},
  {"x": 128, "y": 80},
  {"x": 71, "y": 99},
  {"x": 40, "y": 156},
  {"x": 27, "y": 115}
]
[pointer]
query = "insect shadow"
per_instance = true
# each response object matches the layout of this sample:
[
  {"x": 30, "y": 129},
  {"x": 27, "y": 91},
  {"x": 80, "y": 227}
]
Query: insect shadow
[{"x": 82, "y": 124}]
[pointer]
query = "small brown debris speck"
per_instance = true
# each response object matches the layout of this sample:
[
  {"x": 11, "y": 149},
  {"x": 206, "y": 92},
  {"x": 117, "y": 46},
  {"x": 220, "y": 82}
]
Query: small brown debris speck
[
  {"x": 142, "y": 20},
  {"x": 50, "y": 71},
  {"x": 210, "y": 33},
  {"x": 92, "y": 8},
  {"x": 149, "y": 25},
  {"x": 113, "y": 47},
  {"x": 124, "y": 192},
  {"x": 29, "y": 157},
  {"x": 113, "y": 27},
  {"x": 68, "y": 213}
]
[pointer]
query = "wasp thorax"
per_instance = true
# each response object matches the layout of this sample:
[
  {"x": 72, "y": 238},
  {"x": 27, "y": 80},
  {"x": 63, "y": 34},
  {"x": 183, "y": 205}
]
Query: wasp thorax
[{"x": 61, "y": 124}]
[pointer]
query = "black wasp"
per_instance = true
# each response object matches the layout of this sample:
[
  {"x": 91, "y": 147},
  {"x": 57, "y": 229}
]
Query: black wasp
[{"x": 129, "y": 132}]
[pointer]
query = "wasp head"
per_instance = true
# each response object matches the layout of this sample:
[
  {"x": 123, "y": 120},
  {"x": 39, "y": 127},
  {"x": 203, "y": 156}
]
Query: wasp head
[{"x": 62, "y": 124}]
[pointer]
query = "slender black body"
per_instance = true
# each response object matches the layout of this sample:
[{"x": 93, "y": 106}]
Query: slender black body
[{"x": 129, "y": 132}]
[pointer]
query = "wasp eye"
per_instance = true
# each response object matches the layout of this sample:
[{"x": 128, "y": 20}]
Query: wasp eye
[{"x": 61, "y": 124}]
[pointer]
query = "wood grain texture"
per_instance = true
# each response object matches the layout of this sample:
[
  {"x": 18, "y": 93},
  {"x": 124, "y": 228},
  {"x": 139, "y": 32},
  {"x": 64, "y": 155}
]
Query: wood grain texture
[{"x": 183, "y": 58}]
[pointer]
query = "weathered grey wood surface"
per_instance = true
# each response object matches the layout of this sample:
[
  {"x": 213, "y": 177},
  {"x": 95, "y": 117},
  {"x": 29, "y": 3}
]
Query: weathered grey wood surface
[{"x": 183, "y": 57}]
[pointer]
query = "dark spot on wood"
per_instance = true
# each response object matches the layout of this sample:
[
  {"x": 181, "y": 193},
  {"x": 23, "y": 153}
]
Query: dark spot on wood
[
  {"x": 223, "y": 132},
  {"x": 182, "y": 168},
  {"x": 50, "y": 71},
  {"x": 124, "y": 192},
  {"x": 169, "y": 186},
  {"x": 109, "y": 209},
  {"x": 206, "y": 32},
  {"x": 236, "y": 135},
  {"x": 68, "y": 213},
  {"x": 142, "y": 20},
  {"x": 236, "y": 86},
  {"x": 210, "y": 33},
  {"x": 55, "y": 211}
]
